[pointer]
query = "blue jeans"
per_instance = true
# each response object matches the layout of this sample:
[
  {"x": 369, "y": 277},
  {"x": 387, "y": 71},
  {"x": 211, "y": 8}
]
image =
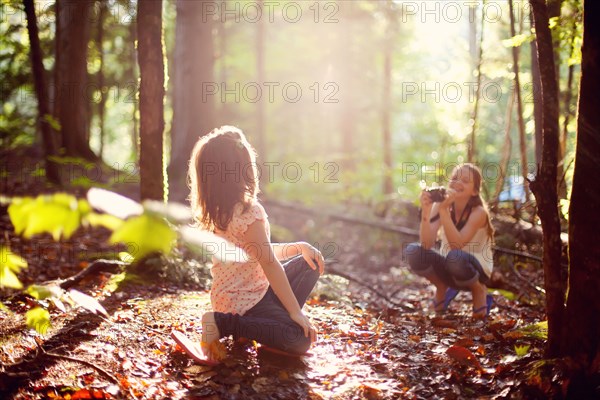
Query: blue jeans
[
  {"x": 458, "y": 269},
  {"x": 268, "y": 322}
]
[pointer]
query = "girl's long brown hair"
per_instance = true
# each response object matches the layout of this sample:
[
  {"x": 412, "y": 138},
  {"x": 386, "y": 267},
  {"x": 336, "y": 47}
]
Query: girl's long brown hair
[
  {"x": 222, "y": 172},
  {"x": 476, "y": 200}
]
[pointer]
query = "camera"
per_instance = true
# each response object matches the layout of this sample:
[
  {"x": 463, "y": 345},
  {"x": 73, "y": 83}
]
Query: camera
[{"x": 437, "y": 194}]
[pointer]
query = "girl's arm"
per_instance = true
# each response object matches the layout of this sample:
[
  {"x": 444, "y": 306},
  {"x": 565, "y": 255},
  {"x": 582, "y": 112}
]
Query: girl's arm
[
  {"x": 258, "y": 247},
  {"x": 458, "y": 239},
  {"x": 285, "y": 251},
  {"x": 428, "y": 230}
]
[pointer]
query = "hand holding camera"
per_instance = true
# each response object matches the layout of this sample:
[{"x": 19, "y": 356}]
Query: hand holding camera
[{"x": 436, "y": 194}]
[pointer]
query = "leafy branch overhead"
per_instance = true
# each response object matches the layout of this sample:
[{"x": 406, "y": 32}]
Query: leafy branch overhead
[{"x": 148, "y": 228}]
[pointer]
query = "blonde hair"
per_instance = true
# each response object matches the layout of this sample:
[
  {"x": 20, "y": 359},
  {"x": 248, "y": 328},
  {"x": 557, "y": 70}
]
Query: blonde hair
[
  {"x": 222, "y": 172},
  {"x": 476, "y": 200}
]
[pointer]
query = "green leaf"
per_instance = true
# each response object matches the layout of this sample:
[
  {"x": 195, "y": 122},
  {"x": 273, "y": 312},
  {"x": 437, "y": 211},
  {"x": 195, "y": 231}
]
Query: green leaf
[
  {"x": 59, "y": 214},
  {"x": 106, "y": 220},
  {"x": 10, "y": 265},
  {"x": 39, "y": 319},
  {"x": 564, "y": 207},
  {"x": 52, "y": 121},
  {"x": 536, "y": 331},
  {"x": 9, "y": 279},
  {"x": 41, "y": 292},
  {"x": 145, "y": 234},
  {"x": 87, "y": 302},
  {"x": 517, "y": 41},
  {"x": 14, "y": 262},
  {"x": 508, "y": 294},
  {"x": 19, "y": 211},
  {"x": 521, "y": 351}
]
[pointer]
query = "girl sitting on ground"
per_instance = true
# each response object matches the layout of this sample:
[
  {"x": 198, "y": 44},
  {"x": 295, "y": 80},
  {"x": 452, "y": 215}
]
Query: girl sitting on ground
[{"x": 255, "y": 298}]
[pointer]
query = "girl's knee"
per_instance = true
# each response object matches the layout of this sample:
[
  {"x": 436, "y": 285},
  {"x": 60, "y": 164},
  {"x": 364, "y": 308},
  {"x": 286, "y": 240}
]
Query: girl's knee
[
  {"x": 300, "y": 345},
  {"x": 416, "y": 257},
  {"x": 308, "y": 269},
  {"x": 413, "y": 254},
  {"x": 458, "y": 266}
]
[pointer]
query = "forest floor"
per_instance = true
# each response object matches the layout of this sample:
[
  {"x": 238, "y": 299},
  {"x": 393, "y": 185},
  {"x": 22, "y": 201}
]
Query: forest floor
[{"x": 378, "y": 335}]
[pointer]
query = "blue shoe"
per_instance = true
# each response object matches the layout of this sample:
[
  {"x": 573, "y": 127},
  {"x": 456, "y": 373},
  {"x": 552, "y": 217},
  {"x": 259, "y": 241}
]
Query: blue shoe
[
  {"x": 448, "y": 297},
  {"x": 489, "y": 300}
]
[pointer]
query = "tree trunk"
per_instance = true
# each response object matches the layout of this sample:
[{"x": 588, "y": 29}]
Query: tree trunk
[
  {"x": 554, "y": 11},
  {"x": 567, "y": 112},
  {"x": 582, "y": 338},
  {"x": 388, "y": 187},
  {"x": 536, "y": 87},
  {"x": 39, "y": 81},
  {"x": 544, "y": 186},
  {"x": 102, "y": 102},
  {"x": 472, "y": 148},
  {"x": 152, "y": 93},
  {"x": 135, "y": 134},
  {"x": 522, "y": 140},
  {"x": 72, "y": 40},
  {"x": 193, "y": 81},
  {"x": 261, "y": 103},
  {"x": 506, "y": 150},
  {"x": 347, "y": 81}
]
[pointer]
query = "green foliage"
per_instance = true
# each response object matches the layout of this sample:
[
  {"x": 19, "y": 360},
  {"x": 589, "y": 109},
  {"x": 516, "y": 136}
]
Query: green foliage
[
  {"x": 145, "y": 234},
  {"x": 506, "y": 293},
  {"x": 518, "y": 40},
  {"x": 536, "y": 331},
  {"x": 106, "y": 220},
  {"x": 521, "y": 351},
  {"x": 38, "y": 318},
  {"x": 59, "y": 214},
  {"x": 10, "y": 265},
  {"x": 42, "y": 292}
]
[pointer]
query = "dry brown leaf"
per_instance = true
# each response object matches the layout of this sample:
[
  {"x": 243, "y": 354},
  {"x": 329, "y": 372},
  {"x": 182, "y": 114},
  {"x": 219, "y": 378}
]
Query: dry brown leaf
[{"x": 464, "y": 357}]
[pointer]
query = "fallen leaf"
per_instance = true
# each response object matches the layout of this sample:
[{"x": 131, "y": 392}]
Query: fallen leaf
[
  {"x": 464, "y": 357},
  {"x": 444, "y": 323}
]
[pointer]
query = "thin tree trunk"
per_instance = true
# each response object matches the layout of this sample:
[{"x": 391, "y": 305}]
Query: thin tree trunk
[
  {"x": 55, "y": 73},
  {"x": 582, "y": 338},
  {"x": 261, "y": 103},
  {"x": 152, "y": 93},
  {"x": 568, "y": 98},
  {"x": 39, "y": 80},
  {"x": 522, "y": 140},
  {"x": 472, "y": 148},
  {"x": 71, "y": 67},
  {"x": 345, "y": 64},
  {"x": 544, "y": 186},
  {"x": 221, "y": 39},
  {"x": 554, "y": 11},
  {"x": 387, "y": 103},
  {"x": 506, "y": 149},
  {"x": 537, "y": 98},
  {"x": 473, "y": 35},
  {"x": 135, "y": 134},
  {"x": 102, "y": 102},
  {"x": 193, "y": 107}
]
